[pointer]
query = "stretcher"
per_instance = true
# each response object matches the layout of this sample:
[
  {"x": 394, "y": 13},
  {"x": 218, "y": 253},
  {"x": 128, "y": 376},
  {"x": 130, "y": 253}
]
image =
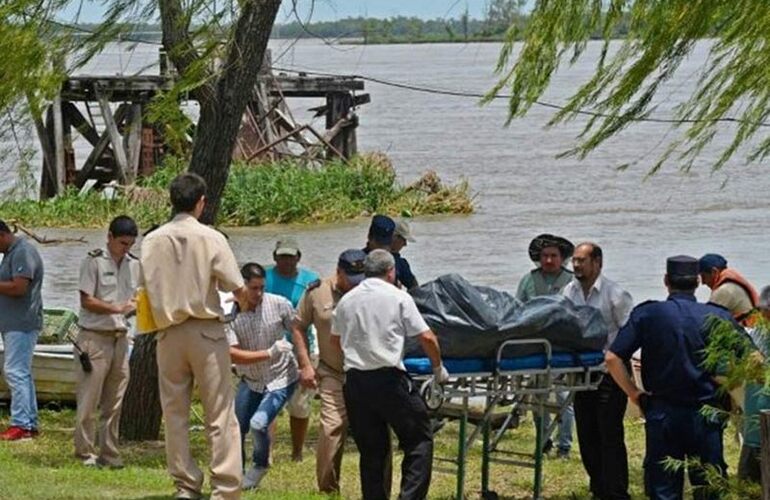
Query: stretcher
[{"x": 515, "y": 382}]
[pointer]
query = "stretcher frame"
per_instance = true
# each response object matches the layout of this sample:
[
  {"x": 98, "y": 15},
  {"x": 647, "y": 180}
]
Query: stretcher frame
[{"x": 522, "y": 389}]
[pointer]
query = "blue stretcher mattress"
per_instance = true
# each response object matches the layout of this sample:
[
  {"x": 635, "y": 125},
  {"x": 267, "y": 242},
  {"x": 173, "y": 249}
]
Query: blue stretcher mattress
[{"x": 422, "y": 366}]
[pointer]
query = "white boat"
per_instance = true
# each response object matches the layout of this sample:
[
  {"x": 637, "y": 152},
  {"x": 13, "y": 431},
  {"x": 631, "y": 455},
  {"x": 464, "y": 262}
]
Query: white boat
[{"x": 53, "y": 363}]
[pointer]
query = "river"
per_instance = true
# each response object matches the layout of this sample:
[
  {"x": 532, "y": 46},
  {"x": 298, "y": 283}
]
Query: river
[{"x": 522, "y": 188}]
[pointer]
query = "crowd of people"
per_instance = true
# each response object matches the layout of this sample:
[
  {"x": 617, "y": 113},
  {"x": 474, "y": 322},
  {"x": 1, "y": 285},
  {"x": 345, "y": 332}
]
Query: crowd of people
[{"x": 293, "y": 336}]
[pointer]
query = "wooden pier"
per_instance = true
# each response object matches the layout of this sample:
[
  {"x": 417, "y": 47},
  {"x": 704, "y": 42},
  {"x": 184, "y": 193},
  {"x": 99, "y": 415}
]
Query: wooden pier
[{"x": 111, "y": 114}]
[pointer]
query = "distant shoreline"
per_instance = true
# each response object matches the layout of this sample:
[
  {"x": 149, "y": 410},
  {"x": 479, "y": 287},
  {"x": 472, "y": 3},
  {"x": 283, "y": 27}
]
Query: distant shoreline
[{"x": 417, "y": 41}]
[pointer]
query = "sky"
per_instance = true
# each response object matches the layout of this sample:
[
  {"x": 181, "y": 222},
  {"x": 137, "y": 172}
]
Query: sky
[{"x": 328, "y": 10}]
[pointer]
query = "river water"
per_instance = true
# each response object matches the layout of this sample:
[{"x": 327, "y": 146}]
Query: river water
[{"x": 522, "y": 189}]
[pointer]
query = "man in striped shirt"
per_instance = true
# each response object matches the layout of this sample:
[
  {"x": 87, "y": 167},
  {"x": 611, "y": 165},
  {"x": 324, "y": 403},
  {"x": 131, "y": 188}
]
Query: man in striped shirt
[{"x": 265, "y": 362}]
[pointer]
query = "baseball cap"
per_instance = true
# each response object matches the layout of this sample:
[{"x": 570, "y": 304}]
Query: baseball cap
[
  {"x": 710, "y": 261},
  {"x": 382, "y": 228},
  {"x": 351, "y": 261},
  {"x": 403, "y": 230},
  {"x": 287, "y": 245}
]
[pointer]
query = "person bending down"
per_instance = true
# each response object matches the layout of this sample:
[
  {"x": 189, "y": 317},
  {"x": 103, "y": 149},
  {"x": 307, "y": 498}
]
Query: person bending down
[{"x": 266, "y": 364}]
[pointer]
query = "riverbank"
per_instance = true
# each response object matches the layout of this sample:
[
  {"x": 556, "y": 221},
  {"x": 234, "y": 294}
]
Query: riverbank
[{"x": 280, "y": 192}]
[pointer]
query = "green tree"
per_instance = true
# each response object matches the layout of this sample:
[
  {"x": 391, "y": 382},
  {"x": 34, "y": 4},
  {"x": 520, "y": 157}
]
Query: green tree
[
  {"x": 501, "y": 14},
  {"x": 217, "y": 50},
  {"x": 734, "y": 84}
]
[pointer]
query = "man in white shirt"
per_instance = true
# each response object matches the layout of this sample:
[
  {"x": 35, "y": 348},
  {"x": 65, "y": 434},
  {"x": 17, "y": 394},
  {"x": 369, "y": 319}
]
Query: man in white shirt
[
  {"x": 370, "y": 324},
  {"x": 599, "y": 414}
]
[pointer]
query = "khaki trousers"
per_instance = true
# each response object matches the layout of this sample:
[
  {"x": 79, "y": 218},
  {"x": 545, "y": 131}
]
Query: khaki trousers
[
  {"x": 103, "y": 388},
  {"x": 333, "y": 429},
  {"x": 197, "y": 351}
]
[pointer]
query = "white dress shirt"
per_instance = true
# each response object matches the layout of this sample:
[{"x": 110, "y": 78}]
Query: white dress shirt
[
  {"x": 372, "y": 321},
  {"x": 613, "y": 302}
]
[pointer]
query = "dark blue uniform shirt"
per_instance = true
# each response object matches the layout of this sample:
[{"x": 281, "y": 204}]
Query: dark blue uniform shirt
[
  {"x": 404, "y": 272},
  {"x": 404, "y": 275},
  {"x": 672, "y": 335}
]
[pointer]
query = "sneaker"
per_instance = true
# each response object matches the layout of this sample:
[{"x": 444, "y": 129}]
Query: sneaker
[
  {"x": 562, "y": 454},
  {"x": 253, "y": 477},
  {"x": 90, "y": 461},
  {"x": 15, "y": 433}
]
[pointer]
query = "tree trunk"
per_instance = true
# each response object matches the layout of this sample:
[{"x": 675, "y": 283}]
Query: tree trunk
[
  {"x": 223, "y": 103},
  {"x": 141, "y": 416}
]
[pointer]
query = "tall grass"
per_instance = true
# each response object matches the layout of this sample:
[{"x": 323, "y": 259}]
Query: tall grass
[{"x": 278, "y": 192}]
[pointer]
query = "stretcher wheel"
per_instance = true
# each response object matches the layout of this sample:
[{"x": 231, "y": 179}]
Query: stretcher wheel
[{"x": 432, "y": 394}]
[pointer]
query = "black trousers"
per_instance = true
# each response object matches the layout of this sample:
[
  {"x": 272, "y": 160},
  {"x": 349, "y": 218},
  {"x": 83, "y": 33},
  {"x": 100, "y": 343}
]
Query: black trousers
[
  {"x": 599, "y": 423},
  {"x": 376, "y": 400}
]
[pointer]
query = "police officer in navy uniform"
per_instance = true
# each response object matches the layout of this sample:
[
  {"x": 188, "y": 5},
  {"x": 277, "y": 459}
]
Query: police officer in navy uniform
[{"x": 672, "y": 335}]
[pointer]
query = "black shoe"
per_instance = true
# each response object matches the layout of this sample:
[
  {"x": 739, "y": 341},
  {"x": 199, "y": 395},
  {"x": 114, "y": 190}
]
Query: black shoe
[{"x": 547, "y": 446}]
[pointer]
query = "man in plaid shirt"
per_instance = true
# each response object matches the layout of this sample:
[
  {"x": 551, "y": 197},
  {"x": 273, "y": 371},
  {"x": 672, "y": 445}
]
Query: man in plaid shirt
[{"x": 265, "y": 362}]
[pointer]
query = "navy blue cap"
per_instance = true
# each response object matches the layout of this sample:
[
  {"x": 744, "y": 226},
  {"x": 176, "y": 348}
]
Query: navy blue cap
[
  {"x": 682, "y": 265},
  {"x": 351, "y": 261},
  {"x": 710, "y": 261},
  {"x": 381, "y": 230}
]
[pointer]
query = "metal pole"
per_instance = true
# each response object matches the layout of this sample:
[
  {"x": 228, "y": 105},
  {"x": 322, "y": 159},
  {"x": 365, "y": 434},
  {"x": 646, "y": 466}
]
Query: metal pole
[
  {"x": 536, "y": 491},
  {"x": 461, "y": 451}
]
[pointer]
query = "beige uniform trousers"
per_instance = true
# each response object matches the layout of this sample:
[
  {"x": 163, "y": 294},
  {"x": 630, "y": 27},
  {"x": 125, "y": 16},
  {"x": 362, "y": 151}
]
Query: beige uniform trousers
[
  {"x": 333, "y": 429},
  {"x": 103, "y": 388},
  {"x": 197, "y": 351}
]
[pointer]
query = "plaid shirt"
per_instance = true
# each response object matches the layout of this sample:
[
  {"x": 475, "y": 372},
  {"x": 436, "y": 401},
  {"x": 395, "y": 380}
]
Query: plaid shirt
[{"x": 257, "y": 330}]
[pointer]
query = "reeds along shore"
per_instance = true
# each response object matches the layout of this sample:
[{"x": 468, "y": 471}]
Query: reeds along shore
[{"x": 279, "y": 192}]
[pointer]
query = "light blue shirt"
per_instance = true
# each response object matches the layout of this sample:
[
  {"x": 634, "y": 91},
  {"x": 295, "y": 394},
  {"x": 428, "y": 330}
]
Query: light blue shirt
[
  {"x": 289, "y": 288},
  {"x": 292, "y": 289}
]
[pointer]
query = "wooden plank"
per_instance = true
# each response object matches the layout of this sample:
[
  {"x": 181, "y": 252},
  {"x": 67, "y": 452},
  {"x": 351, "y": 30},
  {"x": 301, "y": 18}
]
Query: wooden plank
[
  {"x": 147, "y": 165},
  {"x": 60, "y": 168},
  {"x": 268, "y": 146},
  {"x": 111, "y": 124},
  {"x": 328, "y": 144},
  {"x": 286, "y": 122},
  {"x": 98, "y": 150},
  {"x": 81, "y": 124},
  {"x": 69, "y": 150},
  {"x": 134, "y": 142},
  {"x": 46, "y": 185},
  {"x": 305, "y": 86}
]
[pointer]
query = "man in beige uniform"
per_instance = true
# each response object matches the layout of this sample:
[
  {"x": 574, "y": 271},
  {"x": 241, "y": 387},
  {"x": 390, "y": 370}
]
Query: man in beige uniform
[
  {"x": 315, "y": 308},
  {"x": 107, "y": 285},
  {"x": 184, "y": 263}
]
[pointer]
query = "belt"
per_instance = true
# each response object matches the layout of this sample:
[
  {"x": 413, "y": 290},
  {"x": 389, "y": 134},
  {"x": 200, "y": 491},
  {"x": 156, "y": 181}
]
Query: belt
[{"x": 107, "y": 333}]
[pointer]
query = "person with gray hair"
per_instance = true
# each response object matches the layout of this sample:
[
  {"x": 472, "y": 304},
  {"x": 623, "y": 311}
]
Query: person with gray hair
[{"x": 370, "y": 325}]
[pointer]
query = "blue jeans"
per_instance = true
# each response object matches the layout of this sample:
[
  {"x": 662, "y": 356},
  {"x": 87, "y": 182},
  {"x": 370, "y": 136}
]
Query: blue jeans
[
  {"x": 680, "y": 432},
  {"x": 564, "y": 429},
  {"x": 19, "y": 347},
  {"x": 255, "y": 411}
]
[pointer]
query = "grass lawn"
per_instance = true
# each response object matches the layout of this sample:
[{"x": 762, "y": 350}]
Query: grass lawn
[{"x": 45, "y": 467}]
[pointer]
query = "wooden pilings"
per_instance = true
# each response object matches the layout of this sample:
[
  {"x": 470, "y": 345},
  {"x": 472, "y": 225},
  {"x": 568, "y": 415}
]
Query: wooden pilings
[{"x": 109, "y": 113}]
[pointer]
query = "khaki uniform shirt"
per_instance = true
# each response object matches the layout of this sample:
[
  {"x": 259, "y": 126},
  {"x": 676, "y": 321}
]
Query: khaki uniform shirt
[
  {"x": 102, "y": 278},
  {"x": 184, "y": 263},
  {"x": 315, "y": 308},
  {"x": 732, "y": 297}
]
